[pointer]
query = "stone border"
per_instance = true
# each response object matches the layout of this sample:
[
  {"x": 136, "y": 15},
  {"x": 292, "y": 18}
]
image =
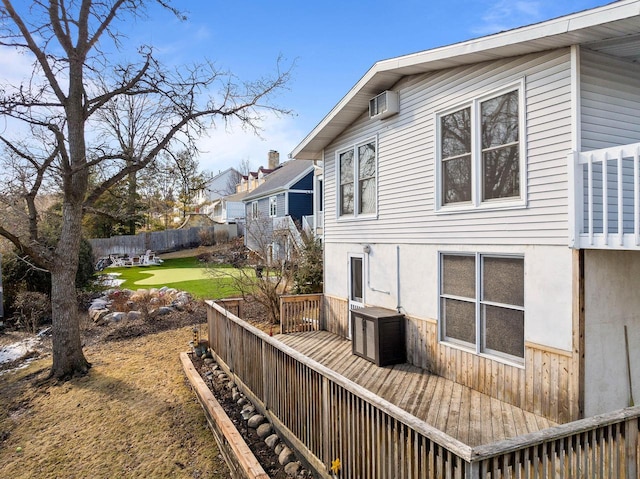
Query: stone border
[{"x": 241, "y": 461}]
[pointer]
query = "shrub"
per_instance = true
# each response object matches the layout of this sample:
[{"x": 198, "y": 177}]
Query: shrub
[
  {"x": 307, "y": 275},
  {"x": 221, "y": 236},
  {"x": 207, "y": 237},
  {"x": 19, "y": 274},
  {"x": 31, "y": 309}
]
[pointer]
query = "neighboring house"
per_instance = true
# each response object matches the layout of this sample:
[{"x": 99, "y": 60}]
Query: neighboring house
[
  {"x": 463, "y": 186},
  {"x": 229, "y": 209},
  {"x": 220, "y": 185},
  {"x": 279, "y": 205}
]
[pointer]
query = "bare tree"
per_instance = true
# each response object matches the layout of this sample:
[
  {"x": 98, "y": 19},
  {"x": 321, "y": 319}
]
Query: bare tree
[
  {"x": 57, "y": 148},
  {"x": 268, "y": 271}
]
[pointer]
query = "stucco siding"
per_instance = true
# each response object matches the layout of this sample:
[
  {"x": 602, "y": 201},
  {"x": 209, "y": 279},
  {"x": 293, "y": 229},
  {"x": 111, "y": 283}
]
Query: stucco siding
[
  {"x": 610, "y": 101},
  {"x": 612, "y": 278},
  {"x": 406, "y": 159},
  {"x": 548, "y": 283}
]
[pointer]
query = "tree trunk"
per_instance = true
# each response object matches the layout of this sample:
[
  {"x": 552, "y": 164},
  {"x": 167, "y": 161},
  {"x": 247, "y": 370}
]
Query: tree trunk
[{"x": 68, "y": 358}]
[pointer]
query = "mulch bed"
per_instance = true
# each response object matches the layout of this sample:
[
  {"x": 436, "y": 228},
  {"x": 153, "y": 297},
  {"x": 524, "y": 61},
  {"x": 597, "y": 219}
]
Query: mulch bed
[{"x": 265, "y": 455}]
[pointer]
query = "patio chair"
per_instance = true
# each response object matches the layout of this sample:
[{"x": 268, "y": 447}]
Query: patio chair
[
  {"x": 116, "y": 261},
  {"x": 151, "y": 258}
]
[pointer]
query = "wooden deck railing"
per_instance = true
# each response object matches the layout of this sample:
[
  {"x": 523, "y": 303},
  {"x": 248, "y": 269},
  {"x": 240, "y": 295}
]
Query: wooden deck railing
[
  {"x": 300, "y": 312},
  {"x": 326, "y": 416}
]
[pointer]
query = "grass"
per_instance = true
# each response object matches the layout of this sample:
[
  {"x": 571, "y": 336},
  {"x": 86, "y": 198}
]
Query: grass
[
  {"x": 132, "y": 416},
  {"x": 184, "y": 274}
]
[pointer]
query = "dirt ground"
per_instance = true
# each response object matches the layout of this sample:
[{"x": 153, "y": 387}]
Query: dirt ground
[{"x": 134, "y": 415}]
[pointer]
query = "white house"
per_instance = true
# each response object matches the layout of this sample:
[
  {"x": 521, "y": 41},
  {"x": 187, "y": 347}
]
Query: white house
[
  {"x": 218, "y": 186},
  {"x": 463, "y": 186}
]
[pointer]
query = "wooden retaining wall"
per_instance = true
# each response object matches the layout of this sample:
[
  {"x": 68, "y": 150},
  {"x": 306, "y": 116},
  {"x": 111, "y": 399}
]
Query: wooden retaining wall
[{"x": 241, "y": 461}]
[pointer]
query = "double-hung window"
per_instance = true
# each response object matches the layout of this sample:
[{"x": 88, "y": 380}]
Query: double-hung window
[
  {"x": 273, "y": 206},
  {"x": 482, "y": 303},
  {"x": 480, "y": 152},
  {"x": 254, "y": 210},
  {"x": 357, "y": 178}
]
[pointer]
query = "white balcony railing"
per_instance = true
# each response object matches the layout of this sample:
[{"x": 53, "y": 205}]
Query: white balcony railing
[{"x": 605, "y": 203}]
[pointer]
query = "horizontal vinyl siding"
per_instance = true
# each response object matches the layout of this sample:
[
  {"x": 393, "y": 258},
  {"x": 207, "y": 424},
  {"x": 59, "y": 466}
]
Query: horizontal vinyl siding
[
  {"x": 610, "y": 100},
  {"x": 406, "y": 159}
]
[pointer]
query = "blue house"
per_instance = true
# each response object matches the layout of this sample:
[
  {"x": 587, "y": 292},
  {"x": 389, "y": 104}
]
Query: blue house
[{"x": 277, "y": 210}]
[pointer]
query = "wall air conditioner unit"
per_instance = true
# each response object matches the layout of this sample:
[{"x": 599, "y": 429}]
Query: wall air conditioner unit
[{"x": 384, "y": 105}]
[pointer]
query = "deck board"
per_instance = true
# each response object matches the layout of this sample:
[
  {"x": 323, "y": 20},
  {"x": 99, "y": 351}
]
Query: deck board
[{"x": 463, "y": 413}]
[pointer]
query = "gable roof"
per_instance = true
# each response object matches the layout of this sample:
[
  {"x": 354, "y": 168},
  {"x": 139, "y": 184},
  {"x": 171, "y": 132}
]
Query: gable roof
[
  {"x": 613, "y": 29},
  {"x": 282, "y": 178}
]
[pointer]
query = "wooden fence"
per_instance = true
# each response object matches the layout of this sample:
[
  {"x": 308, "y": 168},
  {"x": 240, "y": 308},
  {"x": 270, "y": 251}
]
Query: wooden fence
[
  {"x": 158, "y": 241},
  {"x": 300, "y": 312},
  {"x": 324, "y": 416}
]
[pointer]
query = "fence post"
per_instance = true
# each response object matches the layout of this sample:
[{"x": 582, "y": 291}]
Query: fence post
[{"x": 472, "y": 470}]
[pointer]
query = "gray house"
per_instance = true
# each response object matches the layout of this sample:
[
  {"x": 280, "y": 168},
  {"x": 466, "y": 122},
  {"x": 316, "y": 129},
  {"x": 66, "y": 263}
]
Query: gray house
[
  {"x": 518, "y": 247},
  {"x": 276, "y": 210}
]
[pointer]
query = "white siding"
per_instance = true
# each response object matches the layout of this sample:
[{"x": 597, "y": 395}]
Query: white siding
[
  {"x": 610, "y": 97},
  {"x": 406, "y": 155}
]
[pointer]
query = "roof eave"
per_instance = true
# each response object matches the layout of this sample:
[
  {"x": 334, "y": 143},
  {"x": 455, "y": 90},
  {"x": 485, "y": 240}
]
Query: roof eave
[{"x": 556, "y": 33}]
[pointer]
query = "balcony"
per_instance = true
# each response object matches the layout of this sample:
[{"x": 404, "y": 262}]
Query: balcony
[{"x": 605, "y": 202}]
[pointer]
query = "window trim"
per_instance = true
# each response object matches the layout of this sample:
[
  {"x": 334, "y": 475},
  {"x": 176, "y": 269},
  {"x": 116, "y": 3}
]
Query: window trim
[
  {"x": 254, "y": 210},
  {"x": 476, "y": 202},
  {"x": 356, "y": 182},
  {"x": 273, "y": 206},
  {"x": 478, "y": 302}
]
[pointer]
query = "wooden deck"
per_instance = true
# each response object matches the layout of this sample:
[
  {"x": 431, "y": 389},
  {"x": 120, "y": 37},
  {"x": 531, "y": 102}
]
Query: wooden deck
[{"x": 461, "y": 412}]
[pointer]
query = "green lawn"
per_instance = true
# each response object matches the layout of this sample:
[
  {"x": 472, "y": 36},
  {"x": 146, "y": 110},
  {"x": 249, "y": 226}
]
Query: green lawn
[{"x": 185, "y": 274}]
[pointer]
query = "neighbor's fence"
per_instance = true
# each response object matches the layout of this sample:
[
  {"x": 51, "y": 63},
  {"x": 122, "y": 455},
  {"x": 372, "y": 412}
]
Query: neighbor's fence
[
  {"x": 326, "y": 416},
  {"x": 158, "y": 241},
  {"x": 300, "y": 312}
]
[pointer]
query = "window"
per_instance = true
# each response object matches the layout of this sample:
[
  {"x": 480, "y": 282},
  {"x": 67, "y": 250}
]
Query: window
[
  {"x": 273, "y": 206},
  {"x": 482, "y": 303},
  {"x": 480, "y": 152},
  {"x": 357, "y": 176},
  {"x": 254, "y": 210},
  {"x": 356, "y": 285}
]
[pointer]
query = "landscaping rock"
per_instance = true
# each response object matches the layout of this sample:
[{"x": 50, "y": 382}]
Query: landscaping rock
[
  {"x": 286, "y": 456},
  {"x": 133, "y": 315},
  {"x": 98, "y": 304},
  {"x": 278, "y": 449},
  {"x": 256, "y": 420},
  {"x": 235, "y": 396},
  {"x": 208, "y": 360},
  {"x": 242, "y": 401},
  {"x": 164, "y": 310},
  {"x": 231, "y": 385},
  {"x": 292, "y": 468},
  {"x": 264, "y": 430},
  {"x": 97, "y": 315},
  {"x": 248, "y": 411},
  {"x": 272, "y": 441},
  {"x": 115, "y": 317}
]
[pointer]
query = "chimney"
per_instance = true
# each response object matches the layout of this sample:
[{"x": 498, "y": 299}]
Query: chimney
[{"x": 274, "y": 160}]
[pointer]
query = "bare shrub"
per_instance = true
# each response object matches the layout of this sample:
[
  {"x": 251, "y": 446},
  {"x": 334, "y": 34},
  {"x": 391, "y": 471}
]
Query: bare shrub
[
  {"x": 32, "y": 308},
  {"x": 207, "y": 237},
  {"x": 221, "y": 236}
]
